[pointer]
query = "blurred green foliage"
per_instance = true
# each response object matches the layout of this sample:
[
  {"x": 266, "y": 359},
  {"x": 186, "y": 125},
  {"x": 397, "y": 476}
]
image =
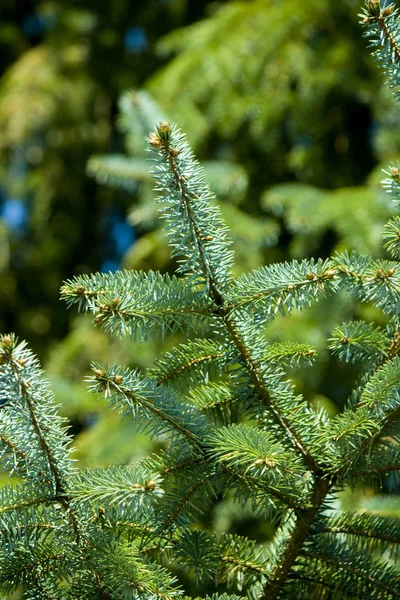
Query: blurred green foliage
[
  {"x": 284, "y": 107},
  {"x": 65, "y": 65}
]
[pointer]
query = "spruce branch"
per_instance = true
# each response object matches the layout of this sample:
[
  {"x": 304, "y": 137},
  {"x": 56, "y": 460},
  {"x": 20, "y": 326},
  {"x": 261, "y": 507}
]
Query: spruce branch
[
  {"x": 230, "y": 558},
  {"x": 367, "y": 577},
  {"x": 375, "y": 281},
  {"x": 383, "y": 459},
  {"x": 136, "y": 304},
  {"x": 392, "y": 186},
  {"x": 256, "y": 457},
  {"x": 223, "y": 402},
  {"x": 293, "y": 537},
  {"x": 353, "y": 432},
  {"x": 290, "y": 354},
  {"x": 195, "y": 228},
  {"x": 191, "y": 363},
  {"x": 124, "y": 572},
  {"x": 360, "y": 528},
  {"x": 391, "y": 235},
  {"x": 104, "y": 533},
  {"x": 193, "y": 223},
  {"x": 359, "y": 341},
  {"x": 283, "y": 288},
  {"x": 193, "y": 500},
  {"x": 124, "y": 486},
  {"x": 44, "y": 435},
  {"x": 383, "y": 32},
  {"x": 155, "y": 407},
  {"x": 14, "y": 499}
]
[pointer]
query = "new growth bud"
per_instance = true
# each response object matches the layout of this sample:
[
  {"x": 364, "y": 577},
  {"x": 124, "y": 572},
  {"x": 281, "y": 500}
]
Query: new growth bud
[
  {"x": 154, "y": 140},
  {"x": 150, "y": 485},
  {"x": 389, "y": 10},
  {"x": 395, "y": 172},
  {"x": 6, "y": 342},
  {"x": 164, "y": 131},
  {"x": 161, "y": 137},
  {"x": 374, "y": 8},
  {"x": 311, "y": 276},
  {"x": 99, "y": 373}
]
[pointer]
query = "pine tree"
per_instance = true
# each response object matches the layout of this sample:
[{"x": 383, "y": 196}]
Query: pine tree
[{"x": 232, "y": 421}]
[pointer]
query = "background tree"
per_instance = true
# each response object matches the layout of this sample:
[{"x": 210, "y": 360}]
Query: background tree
[{"x": 57, "y": 107}]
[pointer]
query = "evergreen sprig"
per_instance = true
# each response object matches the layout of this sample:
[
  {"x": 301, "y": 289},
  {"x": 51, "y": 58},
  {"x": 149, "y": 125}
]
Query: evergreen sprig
[{"x": 230, "y": 421}]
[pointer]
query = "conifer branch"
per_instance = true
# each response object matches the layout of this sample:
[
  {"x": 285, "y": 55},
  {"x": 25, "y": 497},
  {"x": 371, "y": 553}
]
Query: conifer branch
[
  {"x": 295, "y": 576},
  {"x": 140, "y": 305},
  {"x": 265, "y": 395},
  {"x": 191, "y": 211},
  {"x": 283, "y": 287},
  {"x": 17, "y": 451},
  {"x": 183, "y": 199},
  {"x": 355, "y": 531},
  {"x": 182, "y": 465},
  {"x": 384, "y": 458},
  {"x": 105, "y": 532},
  {"x": 127, "y": 390},
  {"x": 360, "y": 574},
  {"x": 184, "y": 501},
  {"x": 25, "y": 503},
  {"x": 23, "y": 368},
  {"x": 193, "y": 361},
  {"x": 244, "y": 564},
  {"x": 252, "y": 485},
  {"x": 292, "y": 547}
]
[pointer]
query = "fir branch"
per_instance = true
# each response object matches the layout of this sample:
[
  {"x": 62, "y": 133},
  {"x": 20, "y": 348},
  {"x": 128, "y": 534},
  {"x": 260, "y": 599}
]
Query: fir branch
[
  {"x": 133, "y": 486},
  {"x": 359, "y": 341},
  {"x": 282, "y": 288},
  {"x": 370, "y": 578},
  {"x": 140, "y": 397},
  {"x": 375, "y": 281},
  {"x": 141, "y": 305},
  {"x": 294, "y": 539},
  {"x": 256, "y": 457},
  {"x": 192, "y": 362},
  {"x": 195, "y": 228},
  {"x": 361, "y": 528}
]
